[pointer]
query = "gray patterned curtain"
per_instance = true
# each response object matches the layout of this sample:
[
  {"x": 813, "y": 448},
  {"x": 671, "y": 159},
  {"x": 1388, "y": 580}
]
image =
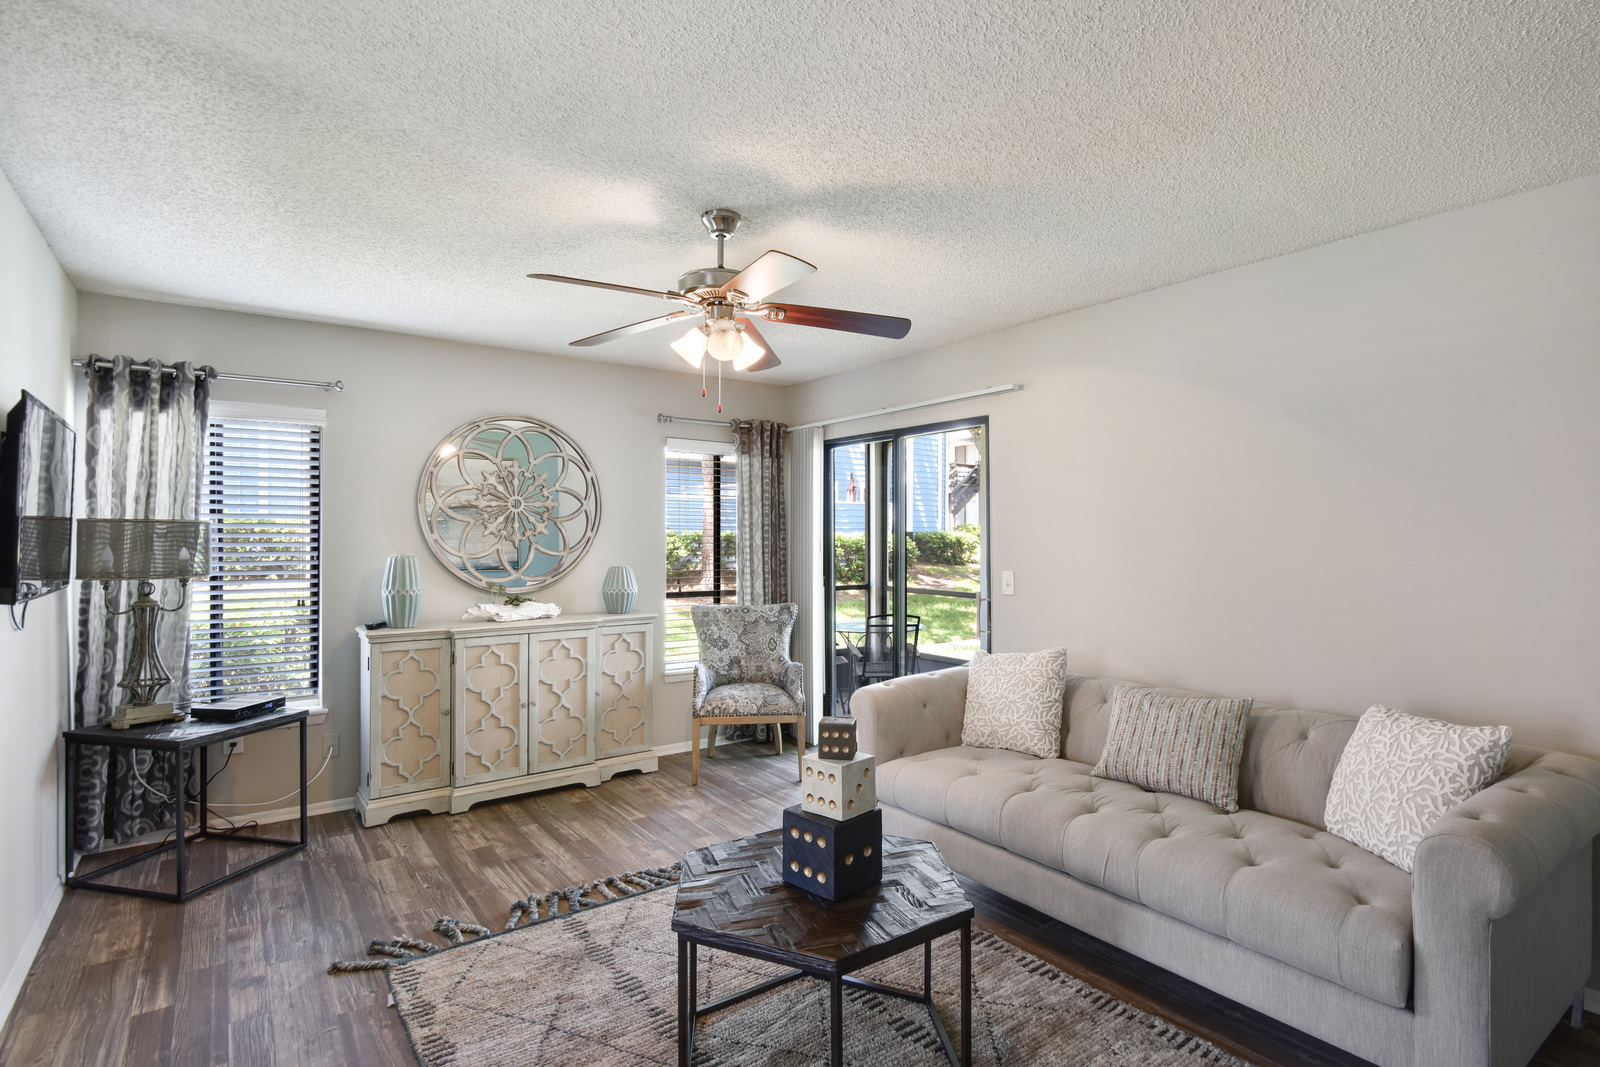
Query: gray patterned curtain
[
  {"x": 762, "y": 574},
  {"x": 763, "y": 557},
  {"x": 143, "y": 457}
]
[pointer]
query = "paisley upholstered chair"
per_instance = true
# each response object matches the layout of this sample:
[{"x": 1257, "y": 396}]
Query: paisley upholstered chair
[{"x": 745, "y": 674}]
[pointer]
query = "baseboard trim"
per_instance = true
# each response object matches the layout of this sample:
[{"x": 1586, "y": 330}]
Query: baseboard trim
[
  {"x": 672, "y": 749},
  {"x": 277, "y": 815},
  {"x": 1591, "y": 1000},
  {"x": 30, "y": 948}
]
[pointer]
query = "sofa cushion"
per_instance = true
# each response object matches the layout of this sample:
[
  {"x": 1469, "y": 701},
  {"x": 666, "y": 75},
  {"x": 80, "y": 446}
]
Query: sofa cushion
[
  {"x": 1169, "y": 744},
  {"x": 1014, "y": 701},
  {"x": 1281, "y": 888},
  {"x": 1400, "y": 774}
]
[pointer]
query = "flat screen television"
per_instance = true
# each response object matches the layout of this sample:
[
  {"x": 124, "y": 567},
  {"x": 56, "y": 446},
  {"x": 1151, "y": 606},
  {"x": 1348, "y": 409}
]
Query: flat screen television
[{"x": 36, "y": 468}]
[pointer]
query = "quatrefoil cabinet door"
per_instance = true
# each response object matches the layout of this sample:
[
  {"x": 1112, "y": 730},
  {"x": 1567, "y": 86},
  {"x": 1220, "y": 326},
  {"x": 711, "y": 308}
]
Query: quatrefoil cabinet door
[
  {"x": 491, "y": 708},
  {"x": 622, "y": 716},
  {"x": 408, "y": 750},
  {"x": 563, "y": 728}
]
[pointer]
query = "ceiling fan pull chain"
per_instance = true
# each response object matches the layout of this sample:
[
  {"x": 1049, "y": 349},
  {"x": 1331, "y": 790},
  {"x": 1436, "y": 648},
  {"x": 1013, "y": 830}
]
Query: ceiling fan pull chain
[
  {"x": 719, "y": 387},
  {"x": 702, "y": 377}
]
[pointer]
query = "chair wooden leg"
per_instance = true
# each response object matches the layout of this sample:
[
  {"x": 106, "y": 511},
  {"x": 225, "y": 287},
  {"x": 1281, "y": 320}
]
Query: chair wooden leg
[
  {"x": 800, "y": 751},
  {"x": 694, "y": 751},
  {"x": 777, "y": 738},
  {"x": 711, "y": 741}
]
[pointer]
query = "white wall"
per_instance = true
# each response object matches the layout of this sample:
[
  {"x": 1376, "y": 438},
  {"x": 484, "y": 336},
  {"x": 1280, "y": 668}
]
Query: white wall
[
  {"x": 37, "y": 316},
  {"x": 402, "y": 396},
  {"x": 1366, "y": 472}
]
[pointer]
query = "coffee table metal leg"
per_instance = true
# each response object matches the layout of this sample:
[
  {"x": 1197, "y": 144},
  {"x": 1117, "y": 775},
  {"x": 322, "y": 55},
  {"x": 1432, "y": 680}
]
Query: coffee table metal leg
[
  {"x": 966, "y": 994},
  {"x": 685, "y": 1013},
  {"x": 927, "y": 970},
  {"x": 836, "y": 1020}
]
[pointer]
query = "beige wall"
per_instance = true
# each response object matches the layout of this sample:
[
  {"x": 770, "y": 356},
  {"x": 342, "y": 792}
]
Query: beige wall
[
  {"x": 1365, "y": 472},
  {"x": 402, "y": 395},
  {"x": 37, "y": 316}
]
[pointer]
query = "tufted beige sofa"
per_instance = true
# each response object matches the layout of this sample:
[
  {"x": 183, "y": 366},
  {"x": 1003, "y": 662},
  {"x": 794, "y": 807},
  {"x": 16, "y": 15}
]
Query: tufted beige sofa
[{"x": 1468, "y": 962}]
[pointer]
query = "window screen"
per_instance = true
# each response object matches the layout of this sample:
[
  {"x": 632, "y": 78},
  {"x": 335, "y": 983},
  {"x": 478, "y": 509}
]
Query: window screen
[
  {"x": 254, "y": 621},
  {"x": 702, "y": 514}
]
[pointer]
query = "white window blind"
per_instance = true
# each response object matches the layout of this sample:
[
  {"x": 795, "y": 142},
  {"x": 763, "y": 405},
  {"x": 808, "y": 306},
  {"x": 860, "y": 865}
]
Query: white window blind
[
  {"x": 255, "y": 621},
  {"x": 702, "y": 512}
]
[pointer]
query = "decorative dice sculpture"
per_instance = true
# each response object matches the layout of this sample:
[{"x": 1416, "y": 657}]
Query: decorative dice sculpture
[
  {"x": 836, "y": 739},
  {"x": 829, "y": 858},
  {"x": 839, "y": 790}
]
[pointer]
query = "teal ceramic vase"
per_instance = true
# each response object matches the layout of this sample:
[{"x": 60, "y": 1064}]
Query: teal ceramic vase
[
  {"x": 620, "y": 590},
  {"x": 402, "y": 592}
]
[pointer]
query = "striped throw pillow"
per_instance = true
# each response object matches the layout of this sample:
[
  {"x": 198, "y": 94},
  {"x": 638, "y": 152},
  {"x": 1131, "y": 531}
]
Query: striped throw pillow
[{"x": 1173, "y": 744}]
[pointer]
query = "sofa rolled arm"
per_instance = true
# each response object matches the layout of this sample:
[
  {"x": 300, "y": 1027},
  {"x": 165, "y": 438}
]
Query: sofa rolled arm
[
  {"x": 792, "y": 681},
  {"x": 905, "y": 716},
  {"x": 1502, "y": 912},
  {"x": 1500, "y": 844}
]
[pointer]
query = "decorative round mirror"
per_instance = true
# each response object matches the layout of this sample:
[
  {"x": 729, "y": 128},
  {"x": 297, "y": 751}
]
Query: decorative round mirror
[{"x": 509, "y": 500}]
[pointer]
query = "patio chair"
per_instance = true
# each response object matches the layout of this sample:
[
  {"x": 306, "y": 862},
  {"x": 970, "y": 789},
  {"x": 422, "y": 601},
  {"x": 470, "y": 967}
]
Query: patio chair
[{"x": 877, "y": 647}]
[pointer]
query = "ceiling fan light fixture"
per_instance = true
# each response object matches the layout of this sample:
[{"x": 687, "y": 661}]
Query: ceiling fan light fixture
[
  {"x": 750, "y": 354},
  {"x": 724, "y": 342},
  {"x": 691, "y": 346}
]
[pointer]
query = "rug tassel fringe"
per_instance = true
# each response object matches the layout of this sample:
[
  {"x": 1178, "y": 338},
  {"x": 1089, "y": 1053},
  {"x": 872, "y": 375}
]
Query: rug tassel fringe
[{"x": 531, "y": 909}]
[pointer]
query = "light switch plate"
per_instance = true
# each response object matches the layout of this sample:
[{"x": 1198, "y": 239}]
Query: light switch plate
[{"x": 1007, "y": 585}]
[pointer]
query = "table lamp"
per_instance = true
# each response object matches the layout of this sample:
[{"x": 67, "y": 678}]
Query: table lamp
[{"x": 142, "y": 550}]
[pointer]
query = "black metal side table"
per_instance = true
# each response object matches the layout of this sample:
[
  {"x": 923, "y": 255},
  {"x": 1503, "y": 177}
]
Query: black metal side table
[{"x": 181, "y": 739}]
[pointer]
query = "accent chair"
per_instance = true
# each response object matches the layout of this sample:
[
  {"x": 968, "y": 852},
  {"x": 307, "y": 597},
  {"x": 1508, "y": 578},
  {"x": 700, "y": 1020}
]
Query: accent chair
[{"x": 745, "y": 674}]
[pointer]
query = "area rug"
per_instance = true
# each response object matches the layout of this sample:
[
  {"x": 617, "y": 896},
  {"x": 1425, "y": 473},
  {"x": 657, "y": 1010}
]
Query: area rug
[{"x": 598, "y": 986}]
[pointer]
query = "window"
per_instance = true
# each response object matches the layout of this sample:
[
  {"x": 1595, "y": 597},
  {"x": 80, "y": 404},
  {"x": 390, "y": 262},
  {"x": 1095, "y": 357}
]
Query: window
[
  {"x": 255, "y": 621},
  {"x": 702, "y": 513}
]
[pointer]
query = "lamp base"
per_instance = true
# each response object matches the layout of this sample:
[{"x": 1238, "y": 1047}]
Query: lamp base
[{"x": 128, "y": 715}]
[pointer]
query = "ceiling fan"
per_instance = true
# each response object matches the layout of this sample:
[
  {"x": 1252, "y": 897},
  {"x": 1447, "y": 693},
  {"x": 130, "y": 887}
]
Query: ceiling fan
[{"x": 721, "y": 306}]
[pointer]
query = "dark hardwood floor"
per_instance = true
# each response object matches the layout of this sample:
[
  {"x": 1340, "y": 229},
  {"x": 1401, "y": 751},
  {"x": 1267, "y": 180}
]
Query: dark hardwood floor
[{"x": 238, "y": 976}]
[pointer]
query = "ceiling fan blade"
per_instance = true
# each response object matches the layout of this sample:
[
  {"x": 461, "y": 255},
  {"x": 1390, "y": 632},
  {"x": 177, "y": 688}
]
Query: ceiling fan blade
[
  {"x": 767, "y": 275},
  {"x": 768, "y": 358},
  {"x": 637, "y": 327},
  {"x": 656, "y": 293},
  {"x": 833, "y": 319}
]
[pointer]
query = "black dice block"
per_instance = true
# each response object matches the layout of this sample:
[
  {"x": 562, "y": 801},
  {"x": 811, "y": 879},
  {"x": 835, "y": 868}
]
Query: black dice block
[
  {"x": 829, "y": 858},
  {"x": 836, "y": 738}
]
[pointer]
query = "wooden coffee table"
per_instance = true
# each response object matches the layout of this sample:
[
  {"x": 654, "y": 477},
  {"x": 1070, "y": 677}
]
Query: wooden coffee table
[{"x": 732, "y": 897}]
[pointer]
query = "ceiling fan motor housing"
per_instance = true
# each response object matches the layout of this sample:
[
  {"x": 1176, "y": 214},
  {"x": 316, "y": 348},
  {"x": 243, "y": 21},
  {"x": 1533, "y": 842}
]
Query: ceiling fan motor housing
[{"x": 709, "y": 279}]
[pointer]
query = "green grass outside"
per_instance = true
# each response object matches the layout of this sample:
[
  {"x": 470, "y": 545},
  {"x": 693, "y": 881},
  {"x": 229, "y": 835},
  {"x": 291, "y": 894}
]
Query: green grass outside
[{"x": 945, "y": 620}]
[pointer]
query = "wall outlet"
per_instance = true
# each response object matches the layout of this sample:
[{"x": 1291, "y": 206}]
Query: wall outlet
[
  {"x": 333, "y": 745},
  {"x": 1007, "y": 585},
  {"x": 234, "y": 747}
]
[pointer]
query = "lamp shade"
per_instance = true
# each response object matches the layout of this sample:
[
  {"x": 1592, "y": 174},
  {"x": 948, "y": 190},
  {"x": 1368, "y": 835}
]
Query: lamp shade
[{"x": 112, "y": 550}]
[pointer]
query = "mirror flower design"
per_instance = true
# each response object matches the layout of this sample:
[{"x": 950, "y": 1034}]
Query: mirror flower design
[{"x": 509, "y": 501}]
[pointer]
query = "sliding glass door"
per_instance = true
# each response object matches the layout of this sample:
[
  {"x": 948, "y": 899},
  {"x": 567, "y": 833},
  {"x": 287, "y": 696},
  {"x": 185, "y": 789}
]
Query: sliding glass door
[{"x": 906, "y": 524}]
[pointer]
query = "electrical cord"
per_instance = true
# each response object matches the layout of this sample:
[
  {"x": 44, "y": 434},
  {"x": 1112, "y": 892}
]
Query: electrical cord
[
  {"x": 133, "y": 765},
  {"x": 258, "y": 803},
  {"x": 226, "y": 760}
]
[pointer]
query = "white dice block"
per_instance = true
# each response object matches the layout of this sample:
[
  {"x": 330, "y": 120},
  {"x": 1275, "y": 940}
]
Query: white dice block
[{"x": 839, "y": 790}]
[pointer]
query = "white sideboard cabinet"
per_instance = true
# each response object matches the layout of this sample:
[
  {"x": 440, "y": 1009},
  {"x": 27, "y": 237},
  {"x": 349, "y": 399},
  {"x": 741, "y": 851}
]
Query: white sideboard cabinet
[{"x": 452, "y": 715}]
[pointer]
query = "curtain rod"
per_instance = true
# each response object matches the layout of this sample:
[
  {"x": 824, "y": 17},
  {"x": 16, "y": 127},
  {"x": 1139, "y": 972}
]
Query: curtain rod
[
  {"x": 697, "y": 422},
  {"x": 332, "y": 387},
  {"x": 993, "y": 390}
]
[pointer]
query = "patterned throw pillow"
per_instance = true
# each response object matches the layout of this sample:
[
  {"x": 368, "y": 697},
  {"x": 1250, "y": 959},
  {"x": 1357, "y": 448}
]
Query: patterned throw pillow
[
  {"x": 1014, "y": 701},
  {"x": 1173, "y": 744},
  {"x": 1399, "y": 774}
]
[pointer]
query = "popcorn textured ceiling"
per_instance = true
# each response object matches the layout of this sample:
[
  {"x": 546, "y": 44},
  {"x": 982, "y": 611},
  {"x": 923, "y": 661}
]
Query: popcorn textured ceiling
[{"x": 403, "y": 165}]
